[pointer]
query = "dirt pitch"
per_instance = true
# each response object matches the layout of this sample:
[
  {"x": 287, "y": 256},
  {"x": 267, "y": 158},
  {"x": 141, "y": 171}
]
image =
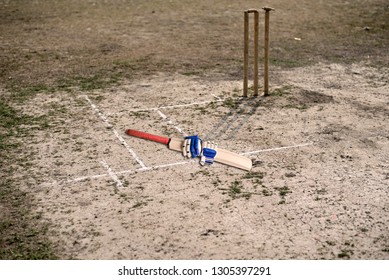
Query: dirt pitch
[{"x": 319, "y": 143}]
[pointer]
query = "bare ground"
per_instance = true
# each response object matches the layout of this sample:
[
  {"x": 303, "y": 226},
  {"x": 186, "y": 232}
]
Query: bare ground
[{"x": 319, "y": 143}]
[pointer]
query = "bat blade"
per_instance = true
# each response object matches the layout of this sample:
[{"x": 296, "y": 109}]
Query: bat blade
[{"x": 222, "y": 156}]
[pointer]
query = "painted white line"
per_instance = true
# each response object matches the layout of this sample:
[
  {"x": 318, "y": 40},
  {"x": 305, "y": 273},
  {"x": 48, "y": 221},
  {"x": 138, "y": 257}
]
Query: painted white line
[
  {"x": 112, "y": 174},
  {"x": 144, "y": 169},
  {"x": 155, "y": 167},
  {"x": 188, "y": 105},
  {"x": 168, "y": 165},
  {"x": 169, "y": 121},
  {"x": 120, "y": 138},
  {"x": 79, "y": 179},
  {"x": 277, "y": 149},
  {"x": 217, "y": 97},
  {"x": 130, "y": 171},
  {"x": 131, "y": 151}
]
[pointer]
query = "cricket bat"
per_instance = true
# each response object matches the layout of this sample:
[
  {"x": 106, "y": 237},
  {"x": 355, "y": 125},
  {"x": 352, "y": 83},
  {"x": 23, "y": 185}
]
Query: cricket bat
[{"x": 222, "y": 156}]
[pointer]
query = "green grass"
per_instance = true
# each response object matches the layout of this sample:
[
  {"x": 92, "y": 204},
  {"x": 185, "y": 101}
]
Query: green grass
[
  {"x": 22, "y": 233},
  {"x": 345, "y": 254},
  {"x": 285, "y": 90},
  {"x": 283, "y": 192},
  {"x": 231, "y": 103},
  {"x": 235, "y": 188},
  {"x": 23, "y": 236},
  {"x": 11, "y": 122},
  {"x": 253, "y": 175},
  {"x": 87, "y": 82},
  {"x": 100, "y": 79},
  {"x": 22, "y": 93}
]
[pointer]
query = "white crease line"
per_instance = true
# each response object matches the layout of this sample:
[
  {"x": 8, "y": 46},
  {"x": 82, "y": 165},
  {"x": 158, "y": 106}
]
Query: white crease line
[
  {"x": 130, "y": 171},
  {"x": 169, "y": 121},
  {"x": 177, "y": 164},
  {"x": 217, "y": 97},
  {"x": 79, "y": 179},
  {"x": 112, "y": 174},
  {"x": 120, "y": 138},
  {"x": 276, "y": 149},
  {"x": 187, "y": 105},
  {"x": 154, "y": 167},
  {"x": 167, "y": 165},
  {"x": 131, "y": 151}
]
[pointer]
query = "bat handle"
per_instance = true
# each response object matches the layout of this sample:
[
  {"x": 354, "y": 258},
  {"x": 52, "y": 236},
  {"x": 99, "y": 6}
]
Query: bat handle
[{"x": 148, "y": 136}]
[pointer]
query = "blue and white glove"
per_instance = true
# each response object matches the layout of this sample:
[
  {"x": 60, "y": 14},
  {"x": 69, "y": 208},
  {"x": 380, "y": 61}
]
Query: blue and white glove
[
  {"x": 208, "y": 153},
  {"x": 192, "y": 146}
]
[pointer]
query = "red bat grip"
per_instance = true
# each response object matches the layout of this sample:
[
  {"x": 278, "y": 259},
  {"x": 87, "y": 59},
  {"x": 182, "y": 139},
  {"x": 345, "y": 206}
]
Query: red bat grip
[{"x": 148, "y": 136}]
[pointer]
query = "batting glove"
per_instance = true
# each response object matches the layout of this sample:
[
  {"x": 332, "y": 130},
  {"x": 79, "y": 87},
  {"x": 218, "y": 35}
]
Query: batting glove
[
  {"x": 208, "y": 153},
  {"x": 192, "y": 146}
]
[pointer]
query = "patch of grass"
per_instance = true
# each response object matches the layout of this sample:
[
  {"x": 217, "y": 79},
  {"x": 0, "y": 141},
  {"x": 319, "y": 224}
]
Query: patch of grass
[
  {"x": 302, "y": 107},
  {"x": 126, "y": 183},
  {"x": 140, "y": 114},
  {"x": 253, "y": 175},
  {"x": 101, "y": 79},
  {"x": 321, "y": 191},
  {"x": 125, "y": 64},
  {"x": 299, "y": 106},
  {"x": 22, "y": 234},
  {"x": 345, "y": 254},
  {"x": 230, "y": 103},
  {"x": 203, "y": 172},
  {"x": 23, "y": 93},
  {"x": 364, "y": 230},
  {"x": 96, "y": 82},
  {"x": 247, "y": 195},
  {"x": 285, "y": 90},
  {"x": 235, "y": 188},
  {"x": 266, "y": 192},
  {"x": 14, "y": 123},
  {"x": 283, "y": 192},
  {"x": 202, "y": 110},
  {"x": 139, "y": 205},
  {"x": 256, "y": 181},
  {"x": 236, "y": 191},
  {"x": 8, "y": 116},
  {"x": 87, "y": 82},
  {"x": 216, "y": 182}
]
